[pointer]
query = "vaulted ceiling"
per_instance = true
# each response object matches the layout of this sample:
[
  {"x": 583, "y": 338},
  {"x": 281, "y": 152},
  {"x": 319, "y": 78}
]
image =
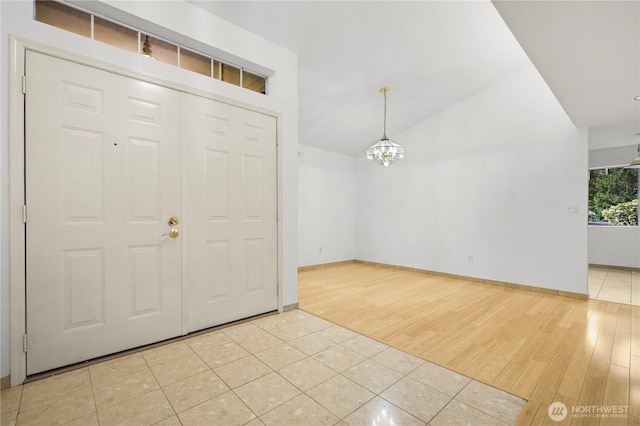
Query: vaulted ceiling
[
  {"x": 435, "y": 53},
  {"x": 588, "y": 53}
]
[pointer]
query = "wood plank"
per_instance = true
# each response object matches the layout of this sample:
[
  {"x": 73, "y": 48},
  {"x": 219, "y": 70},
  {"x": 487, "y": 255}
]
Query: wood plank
[
  {"x": 529, "y": 378},
  {"x": 634, "y": 386},
  {"x": 558, "y": 366},
  {"x": 621, "y": 353},
  {"x": 635, "y": 336},
  {"x": 573, "y": 379},
  {"x": 616, "y": 394}
]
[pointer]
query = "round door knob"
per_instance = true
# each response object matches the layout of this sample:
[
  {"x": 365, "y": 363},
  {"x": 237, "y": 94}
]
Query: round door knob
[{"x": 173, "y": 233}]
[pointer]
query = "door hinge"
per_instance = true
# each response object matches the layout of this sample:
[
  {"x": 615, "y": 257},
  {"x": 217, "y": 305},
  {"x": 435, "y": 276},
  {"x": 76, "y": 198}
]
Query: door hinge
[
  {"x": 24, "y": 84},
  {"x": 24, "y": 342},
  {"x": 24, "y": 214}
]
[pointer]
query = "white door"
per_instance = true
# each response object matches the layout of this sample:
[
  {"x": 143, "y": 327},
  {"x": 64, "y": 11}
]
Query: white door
[
  {"x": 103, "y": 176},
  {"x": 232, "y": 245}
]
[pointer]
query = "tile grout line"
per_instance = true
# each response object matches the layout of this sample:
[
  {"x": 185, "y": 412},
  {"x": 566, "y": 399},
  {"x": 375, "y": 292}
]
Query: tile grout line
[
  {"x": 19, "y": 402},
  {"x": 93, "y": 394},
  {"x": 450, "y": 401},
  {"x": 252, "y": 353},
  {"x": 161, "y": 387},
  {"x": 218, "y": 376},
  {"x": 284, "y": 378},
  {"x": 302, "y": 392},
  {"x": 378, "y": 394}
]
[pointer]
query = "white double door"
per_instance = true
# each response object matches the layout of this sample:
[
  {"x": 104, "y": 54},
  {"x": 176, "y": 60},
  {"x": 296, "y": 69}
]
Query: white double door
[{"x": 108, "y": 161}]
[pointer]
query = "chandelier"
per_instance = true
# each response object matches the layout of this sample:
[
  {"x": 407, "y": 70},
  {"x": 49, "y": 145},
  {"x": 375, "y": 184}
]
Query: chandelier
[{"x": 386, "y": 151}]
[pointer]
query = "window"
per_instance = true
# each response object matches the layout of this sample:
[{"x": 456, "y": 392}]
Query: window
[
  {"x": 115, "y": 35},
  {"x": 195, "y": 62},
  {"x": 99, "y": 29},
  {"x": 64, "y": 17},
  {"x": 613, "y": 196}
]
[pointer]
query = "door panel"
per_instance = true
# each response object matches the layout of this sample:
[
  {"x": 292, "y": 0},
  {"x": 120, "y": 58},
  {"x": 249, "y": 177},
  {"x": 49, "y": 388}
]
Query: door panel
[
  {"x": 232, "y": 247},
  {"x": 83, "y": 298},
  {"x": 103, "y": 175}
]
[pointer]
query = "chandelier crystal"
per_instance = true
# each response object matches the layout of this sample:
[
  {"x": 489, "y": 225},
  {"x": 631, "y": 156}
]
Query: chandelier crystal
[{"x": 386, "y": 151}]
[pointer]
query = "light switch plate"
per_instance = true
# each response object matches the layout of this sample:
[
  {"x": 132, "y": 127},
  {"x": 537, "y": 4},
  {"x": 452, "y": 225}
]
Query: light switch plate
[{"x": 571, "y": 208}]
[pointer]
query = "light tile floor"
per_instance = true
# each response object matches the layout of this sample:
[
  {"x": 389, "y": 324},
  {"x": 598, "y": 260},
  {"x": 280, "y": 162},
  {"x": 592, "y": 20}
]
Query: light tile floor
[
  {"x": 287, "y": 369},
  {"x": 614, "y": 285}
]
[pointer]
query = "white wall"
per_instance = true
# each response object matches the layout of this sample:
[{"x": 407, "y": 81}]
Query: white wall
[
  {"x": 326, "y": 202},
  {"x": 165, "y": 19},
  {"x": 614, "y": 246},
  {"x": 490, "y": 178}
]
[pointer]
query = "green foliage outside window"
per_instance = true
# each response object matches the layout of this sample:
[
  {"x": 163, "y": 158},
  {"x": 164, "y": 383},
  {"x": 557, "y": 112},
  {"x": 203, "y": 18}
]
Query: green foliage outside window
[
  {"x": 623, "y": 214},
  {"x": 613, "y": 196}
]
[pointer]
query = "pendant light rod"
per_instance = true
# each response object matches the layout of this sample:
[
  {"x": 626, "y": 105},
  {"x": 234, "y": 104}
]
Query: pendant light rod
[{"x": 384, "y": 91}]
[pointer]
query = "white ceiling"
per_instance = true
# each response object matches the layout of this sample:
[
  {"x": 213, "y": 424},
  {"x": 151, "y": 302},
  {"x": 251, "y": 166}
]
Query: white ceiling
[
  {"x": 588, "y": 53},
  {"x": 434, "y": 53}
]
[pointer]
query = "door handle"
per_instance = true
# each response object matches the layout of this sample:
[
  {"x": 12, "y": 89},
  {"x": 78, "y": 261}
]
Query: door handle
[{"x": 173, "y": 233}]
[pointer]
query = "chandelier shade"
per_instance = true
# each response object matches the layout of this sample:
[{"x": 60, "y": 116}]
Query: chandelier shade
[{"x": 385, "y": 151}]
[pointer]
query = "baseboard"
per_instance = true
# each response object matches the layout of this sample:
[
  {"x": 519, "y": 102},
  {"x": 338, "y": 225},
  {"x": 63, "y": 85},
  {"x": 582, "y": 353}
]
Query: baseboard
[
  {"x": 454, "y": 276},
  {"x": 324, "y": 265},
  {"x": 618, "y": 268},
  {"x": 5, "y": 382},
  {"x": 291, "y": 307}
]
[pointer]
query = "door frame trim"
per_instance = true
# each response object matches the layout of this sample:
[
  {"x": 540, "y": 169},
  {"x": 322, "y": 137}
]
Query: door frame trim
[{"x": 17, "y": 242}]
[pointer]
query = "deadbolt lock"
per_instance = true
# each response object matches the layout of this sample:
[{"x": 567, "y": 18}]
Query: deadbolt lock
[{"x": 173, "y": 221}]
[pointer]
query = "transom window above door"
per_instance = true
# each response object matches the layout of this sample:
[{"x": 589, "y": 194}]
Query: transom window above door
[{"x": 115, "y": 34}]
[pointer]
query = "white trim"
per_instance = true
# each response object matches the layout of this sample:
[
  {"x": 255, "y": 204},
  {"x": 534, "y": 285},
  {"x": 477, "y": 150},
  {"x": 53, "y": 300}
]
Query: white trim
[
  {"x": 184, "y": 236},
  {"x": 18, "y": 47},
  {"x": 279, "y": 211},
  {"x": 16, "y": 201}
]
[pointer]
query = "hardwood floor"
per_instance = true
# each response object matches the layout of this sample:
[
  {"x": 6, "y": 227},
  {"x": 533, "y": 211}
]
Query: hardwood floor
[{"x": 545, "y": 348}]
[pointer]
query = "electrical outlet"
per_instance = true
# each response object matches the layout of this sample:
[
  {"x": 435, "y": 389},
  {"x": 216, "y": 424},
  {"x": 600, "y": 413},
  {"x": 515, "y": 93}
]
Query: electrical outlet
[
  {"x": 571, "y": 208},
  {"x": 470, "y": 259}
]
